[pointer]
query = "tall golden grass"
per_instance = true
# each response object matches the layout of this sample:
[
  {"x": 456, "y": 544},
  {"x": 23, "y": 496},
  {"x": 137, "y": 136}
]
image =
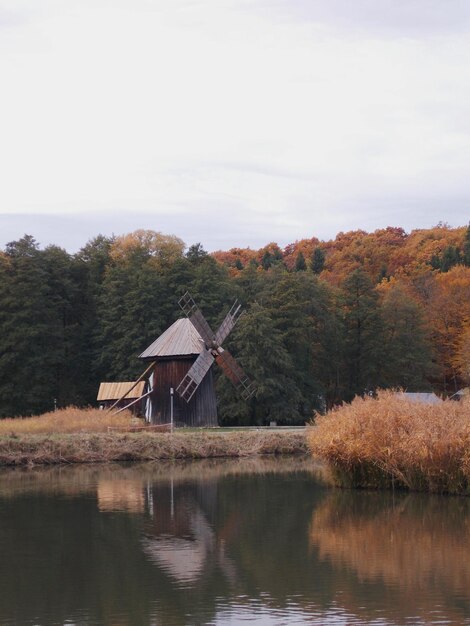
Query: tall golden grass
[
  {"x": 68, "y": 420},
  {"x": 390, "y": 441}
]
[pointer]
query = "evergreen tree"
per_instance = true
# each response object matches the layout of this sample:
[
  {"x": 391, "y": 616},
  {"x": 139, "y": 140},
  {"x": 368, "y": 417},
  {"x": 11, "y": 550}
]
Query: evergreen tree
[
  {"x": 259, "y": 348},
  {"x": 266, "y": 260},
  {"x": 31, "y": 351},
  {"x": 293, "y": 300},
  {"x": 90, "y": 265},
  {"x": 300, "y": 264},
  {"x": 196, "y": 253},
  {"x": 364, "y": 333},
  {"x": 318, "y": 260},
  {"x": 408, "y": 354},
  {"x": 450, "y": 258},
  {"x": 466, "y": 248}
]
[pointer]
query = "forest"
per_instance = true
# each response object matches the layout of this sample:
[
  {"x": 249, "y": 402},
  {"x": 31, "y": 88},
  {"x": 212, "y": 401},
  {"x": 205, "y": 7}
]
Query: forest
[{"x": 323, "y": 321}]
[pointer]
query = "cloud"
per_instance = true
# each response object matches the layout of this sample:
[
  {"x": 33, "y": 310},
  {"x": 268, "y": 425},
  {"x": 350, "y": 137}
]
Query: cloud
[
  {"x": 376, "y": 18},
  {"x": 235, "y": 122}
]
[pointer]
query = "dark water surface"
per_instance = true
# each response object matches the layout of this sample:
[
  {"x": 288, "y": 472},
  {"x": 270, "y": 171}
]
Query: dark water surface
[{"x": 243, "y": 542}]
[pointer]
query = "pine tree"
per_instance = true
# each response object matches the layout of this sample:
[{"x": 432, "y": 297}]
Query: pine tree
[
  {"x": 29, "y": 345},
  {"x": 259, "y": 348},
  {"x": 318, "y": 260},
  {"x": 267, "y": 260},
  {"x": 196, "y": 253},
  {"x": 466, "y": 248},
  {"x": 296, "y": 303},
  {"x": 408, "y": 354},
  {"x": 450, "y": 258},
  {"x": 300, "y": 264},
  {"x": 364, "y": 333}
]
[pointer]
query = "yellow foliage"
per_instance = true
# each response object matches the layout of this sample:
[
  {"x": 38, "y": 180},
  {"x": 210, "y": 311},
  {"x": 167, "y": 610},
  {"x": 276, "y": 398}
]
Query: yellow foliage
[{"x": 164, "y": 248}]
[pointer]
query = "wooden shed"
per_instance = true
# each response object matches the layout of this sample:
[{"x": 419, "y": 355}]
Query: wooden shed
[
  {"x": 108, "y": 393},
  {"x": 173, "y": 353}
]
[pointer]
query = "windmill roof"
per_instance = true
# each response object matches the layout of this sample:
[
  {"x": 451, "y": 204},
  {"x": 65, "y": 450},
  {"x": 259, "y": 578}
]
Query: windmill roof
[
  {"x": 114, "y": 391},
  {"x": 180, "y": 339}
]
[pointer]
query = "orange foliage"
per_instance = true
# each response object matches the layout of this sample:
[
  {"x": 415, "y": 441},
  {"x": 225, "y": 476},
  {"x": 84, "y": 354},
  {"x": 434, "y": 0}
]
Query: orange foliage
[
  {"x": 305, "y": 246},
  {"x": 236, "y": 256},
  {"x": 422, "y": 244},
  {"x": 371, "y": 251},
  {"x": 448, "y": 313}
]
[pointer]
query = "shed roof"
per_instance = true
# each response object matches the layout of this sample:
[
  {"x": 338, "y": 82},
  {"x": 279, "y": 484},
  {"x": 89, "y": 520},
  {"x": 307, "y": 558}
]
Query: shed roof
[
  {"x": 422, "y": 398},
  {"x": 114, "y": 391},
  {"x": 180, "y": 339}
]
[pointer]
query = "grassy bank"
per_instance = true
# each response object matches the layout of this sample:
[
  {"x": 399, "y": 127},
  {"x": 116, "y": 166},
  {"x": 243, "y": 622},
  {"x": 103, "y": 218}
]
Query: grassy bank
[
  {"x": 105, "y": 447},
  {"x": 82, "y": 436},
  {"x": 394, "y": 443}
]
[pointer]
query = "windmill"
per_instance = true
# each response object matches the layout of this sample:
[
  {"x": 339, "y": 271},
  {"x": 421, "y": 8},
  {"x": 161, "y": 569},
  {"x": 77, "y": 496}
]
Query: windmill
[
  {"x": 181, "y": 358},
  {"x": 212, "y": 351}
]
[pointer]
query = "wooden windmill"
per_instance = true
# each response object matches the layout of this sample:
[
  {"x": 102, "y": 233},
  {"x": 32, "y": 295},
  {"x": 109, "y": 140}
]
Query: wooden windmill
[{"x": 181, "y": 359}]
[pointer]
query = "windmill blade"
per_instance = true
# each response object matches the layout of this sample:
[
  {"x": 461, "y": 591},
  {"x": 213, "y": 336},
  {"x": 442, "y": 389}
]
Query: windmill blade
[
  {"x": 197, "y": 319},
  {"x": 235, "y": 373},
  {"x": 228, "y": 323},
  {"x": 196, "y": 373}
]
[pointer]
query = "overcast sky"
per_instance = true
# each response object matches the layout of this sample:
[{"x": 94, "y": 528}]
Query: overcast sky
[{"x": 232, "y": 122}]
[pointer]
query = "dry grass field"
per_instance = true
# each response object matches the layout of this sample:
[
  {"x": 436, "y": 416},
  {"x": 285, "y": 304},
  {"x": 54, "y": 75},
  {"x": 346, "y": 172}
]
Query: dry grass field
[
  {"x": 69, "y": 420},
  {"x": 389, "y": 441}
]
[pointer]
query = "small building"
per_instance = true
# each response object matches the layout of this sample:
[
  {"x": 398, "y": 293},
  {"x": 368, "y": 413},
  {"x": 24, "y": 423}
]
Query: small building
[
  {"x": 461, "y": 394},
  {"x": 126, "y": 392},
  {"x": 173, "y": 354},
  {"x": 420, "y": 398}
]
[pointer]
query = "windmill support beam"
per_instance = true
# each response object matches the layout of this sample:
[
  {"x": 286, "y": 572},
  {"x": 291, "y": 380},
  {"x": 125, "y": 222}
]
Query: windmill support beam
[
  {"x": 133, "y": 402},
  {"x": 141, "y": 377}
]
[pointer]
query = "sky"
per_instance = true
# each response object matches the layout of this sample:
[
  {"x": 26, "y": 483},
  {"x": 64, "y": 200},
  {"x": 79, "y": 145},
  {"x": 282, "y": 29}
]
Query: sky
[{"x": 232, "y": 122}]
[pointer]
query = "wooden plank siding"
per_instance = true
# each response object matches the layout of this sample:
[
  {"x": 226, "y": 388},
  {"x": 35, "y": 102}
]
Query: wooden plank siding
[{"x": 202, "y": 408}]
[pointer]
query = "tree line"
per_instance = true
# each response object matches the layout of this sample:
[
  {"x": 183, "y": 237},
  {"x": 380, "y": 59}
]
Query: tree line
[{"x": 323, "y": 321}]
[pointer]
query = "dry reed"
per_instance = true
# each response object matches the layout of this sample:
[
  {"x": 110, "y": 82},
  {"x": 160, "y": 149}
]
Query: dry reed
[
  {"x": 68, "y": 420},
  {"x": 390, "y": 441}
]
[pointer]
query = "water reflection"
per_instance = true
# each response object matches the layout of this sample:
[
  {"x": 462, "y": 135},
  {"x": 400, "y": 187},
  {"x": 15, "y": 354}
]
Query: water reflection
[
  {"x": 224, "y": 543},
  {"x": 415, "y": 545}
]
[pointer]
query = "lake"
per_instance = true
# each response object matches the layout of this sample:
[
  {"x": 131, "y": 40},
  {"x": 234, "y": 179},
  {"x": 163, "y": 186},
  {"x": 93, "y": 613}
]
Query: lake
[{"x": 251, "y": 541}]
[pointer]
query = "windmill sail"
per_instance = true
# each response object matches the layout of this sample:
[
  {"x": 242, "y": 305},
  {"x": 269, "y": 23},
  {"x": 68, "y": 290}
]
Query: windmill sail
[
  {"x": 234, "y": 372},
  {"x": 228, "y": 323},
  {"x": 198, "y": 320},
  {"x": 196, "y": 373}
]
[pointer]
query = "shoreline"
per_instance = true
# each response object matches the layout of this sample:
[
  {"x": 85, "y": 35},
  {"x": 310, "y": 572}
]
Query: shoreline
[{"x": 70, "y": 448}]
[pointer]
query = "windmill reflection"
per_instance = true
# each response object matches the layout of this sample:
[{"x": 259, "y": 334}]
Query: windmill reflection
[{"x": 179, "y": 535}]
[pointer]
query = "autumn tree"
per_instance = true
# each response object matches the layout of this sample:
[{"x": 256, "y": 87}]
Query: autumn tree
[{"x": 447, "y": 311}]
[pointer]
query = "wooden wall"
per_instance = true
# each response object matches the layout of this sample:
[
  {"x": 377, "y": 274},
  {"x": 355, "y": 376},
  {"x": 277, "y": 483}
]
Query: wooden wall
[{"x": 202, "y": 408}]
